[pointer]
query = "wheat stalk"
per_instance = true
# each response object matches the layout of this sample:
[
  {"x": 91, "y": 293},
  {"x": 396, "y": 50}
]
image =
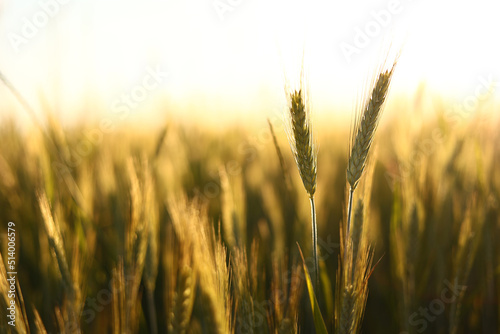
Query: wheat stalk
[
  {"x": 352, "y": 287},
  {"x": 302, "y": 145},
  {"x": 352, "y": 278},
  {"x": 152, "y": 253},
  {"x": 357, "y": 232}
]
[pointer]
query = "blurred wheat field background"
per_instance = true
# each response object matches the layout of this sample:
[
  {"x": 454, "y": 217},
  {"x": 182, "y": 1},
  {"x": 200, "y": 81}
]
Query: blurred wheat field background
[{"x": 190, "y": 230}]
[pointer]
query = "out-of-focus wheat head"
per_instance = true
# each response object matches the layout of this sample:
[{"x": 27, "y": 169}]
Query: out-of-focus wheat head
[
  {"x": 70, "y": 311},
  {"x": 245, "y": 286},
  {"x": 352, "y": 276},
  {"x": 233, "y": 208},
  {"x": 285, "y": 298},
  {"x": 469, "y": 239},
  {"x": 191, "y": 224}
]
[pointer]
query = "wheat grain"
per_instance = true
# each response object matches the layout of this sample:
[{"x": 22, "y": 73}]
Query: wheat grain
[
  {"x": 183, "y": 301},
  {"x": 347, "y": 315}
]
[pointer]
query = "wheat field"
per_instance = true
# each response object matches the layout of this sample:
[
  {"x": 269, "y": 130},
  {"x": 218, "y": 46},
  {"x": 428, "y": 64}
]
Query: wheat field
[{"x": 190, "y": 230}]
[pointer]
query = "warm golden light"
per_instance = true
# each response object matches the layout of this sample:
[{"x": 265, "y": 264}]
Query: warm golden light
[{"x": 229, "y": 58}]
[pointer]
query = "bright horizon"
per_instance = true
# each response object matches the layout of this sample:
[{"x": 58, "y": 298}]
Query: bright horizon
[{"x": 226, "y": 59}]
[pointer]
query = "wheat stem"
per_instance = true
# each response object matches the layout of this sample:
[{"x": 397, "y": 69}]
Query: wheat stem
[
  {"x": 349, "y": 211},
  {"x": 152, "y": 312},
  {"x": 302, "y": 144},
  {"x": 315, "y": 245}
]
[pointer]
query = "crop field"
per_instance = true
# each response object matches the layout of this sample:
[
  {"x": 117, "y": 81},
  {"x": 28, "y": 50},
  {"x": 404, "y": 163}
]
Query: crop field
[
  {"x": 249, "y": 167},
  {"x": 187, "y": 229}
]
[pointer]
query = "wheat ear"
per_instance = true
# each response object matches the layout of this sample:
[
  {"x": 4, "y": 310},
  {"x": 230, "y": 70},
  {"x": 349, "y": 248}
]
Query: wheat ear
[
  {"x": 364, "y": 131},
  {"x": 301, "y": 140},
  {"x": 302, "y": 145}
]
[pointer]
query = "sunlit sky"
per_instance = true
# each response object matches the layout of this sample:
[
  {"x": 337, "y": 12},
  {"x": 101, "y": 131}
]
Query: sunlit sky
[{"x": 227, "y": 59}]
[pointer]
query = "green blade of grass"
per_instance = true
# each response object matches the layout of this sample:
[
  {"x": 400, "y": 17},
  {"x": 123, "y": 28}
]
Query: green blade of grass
[{"x": 319, "y": 323}]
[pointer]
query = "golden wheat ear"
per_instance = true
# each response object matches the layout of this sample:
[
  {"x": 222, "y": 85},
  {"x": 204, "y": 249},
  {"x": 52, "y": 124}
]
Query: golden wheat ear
[
  {"x": 366, "y": 125},
  {"x": 300, "y": 137}
]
